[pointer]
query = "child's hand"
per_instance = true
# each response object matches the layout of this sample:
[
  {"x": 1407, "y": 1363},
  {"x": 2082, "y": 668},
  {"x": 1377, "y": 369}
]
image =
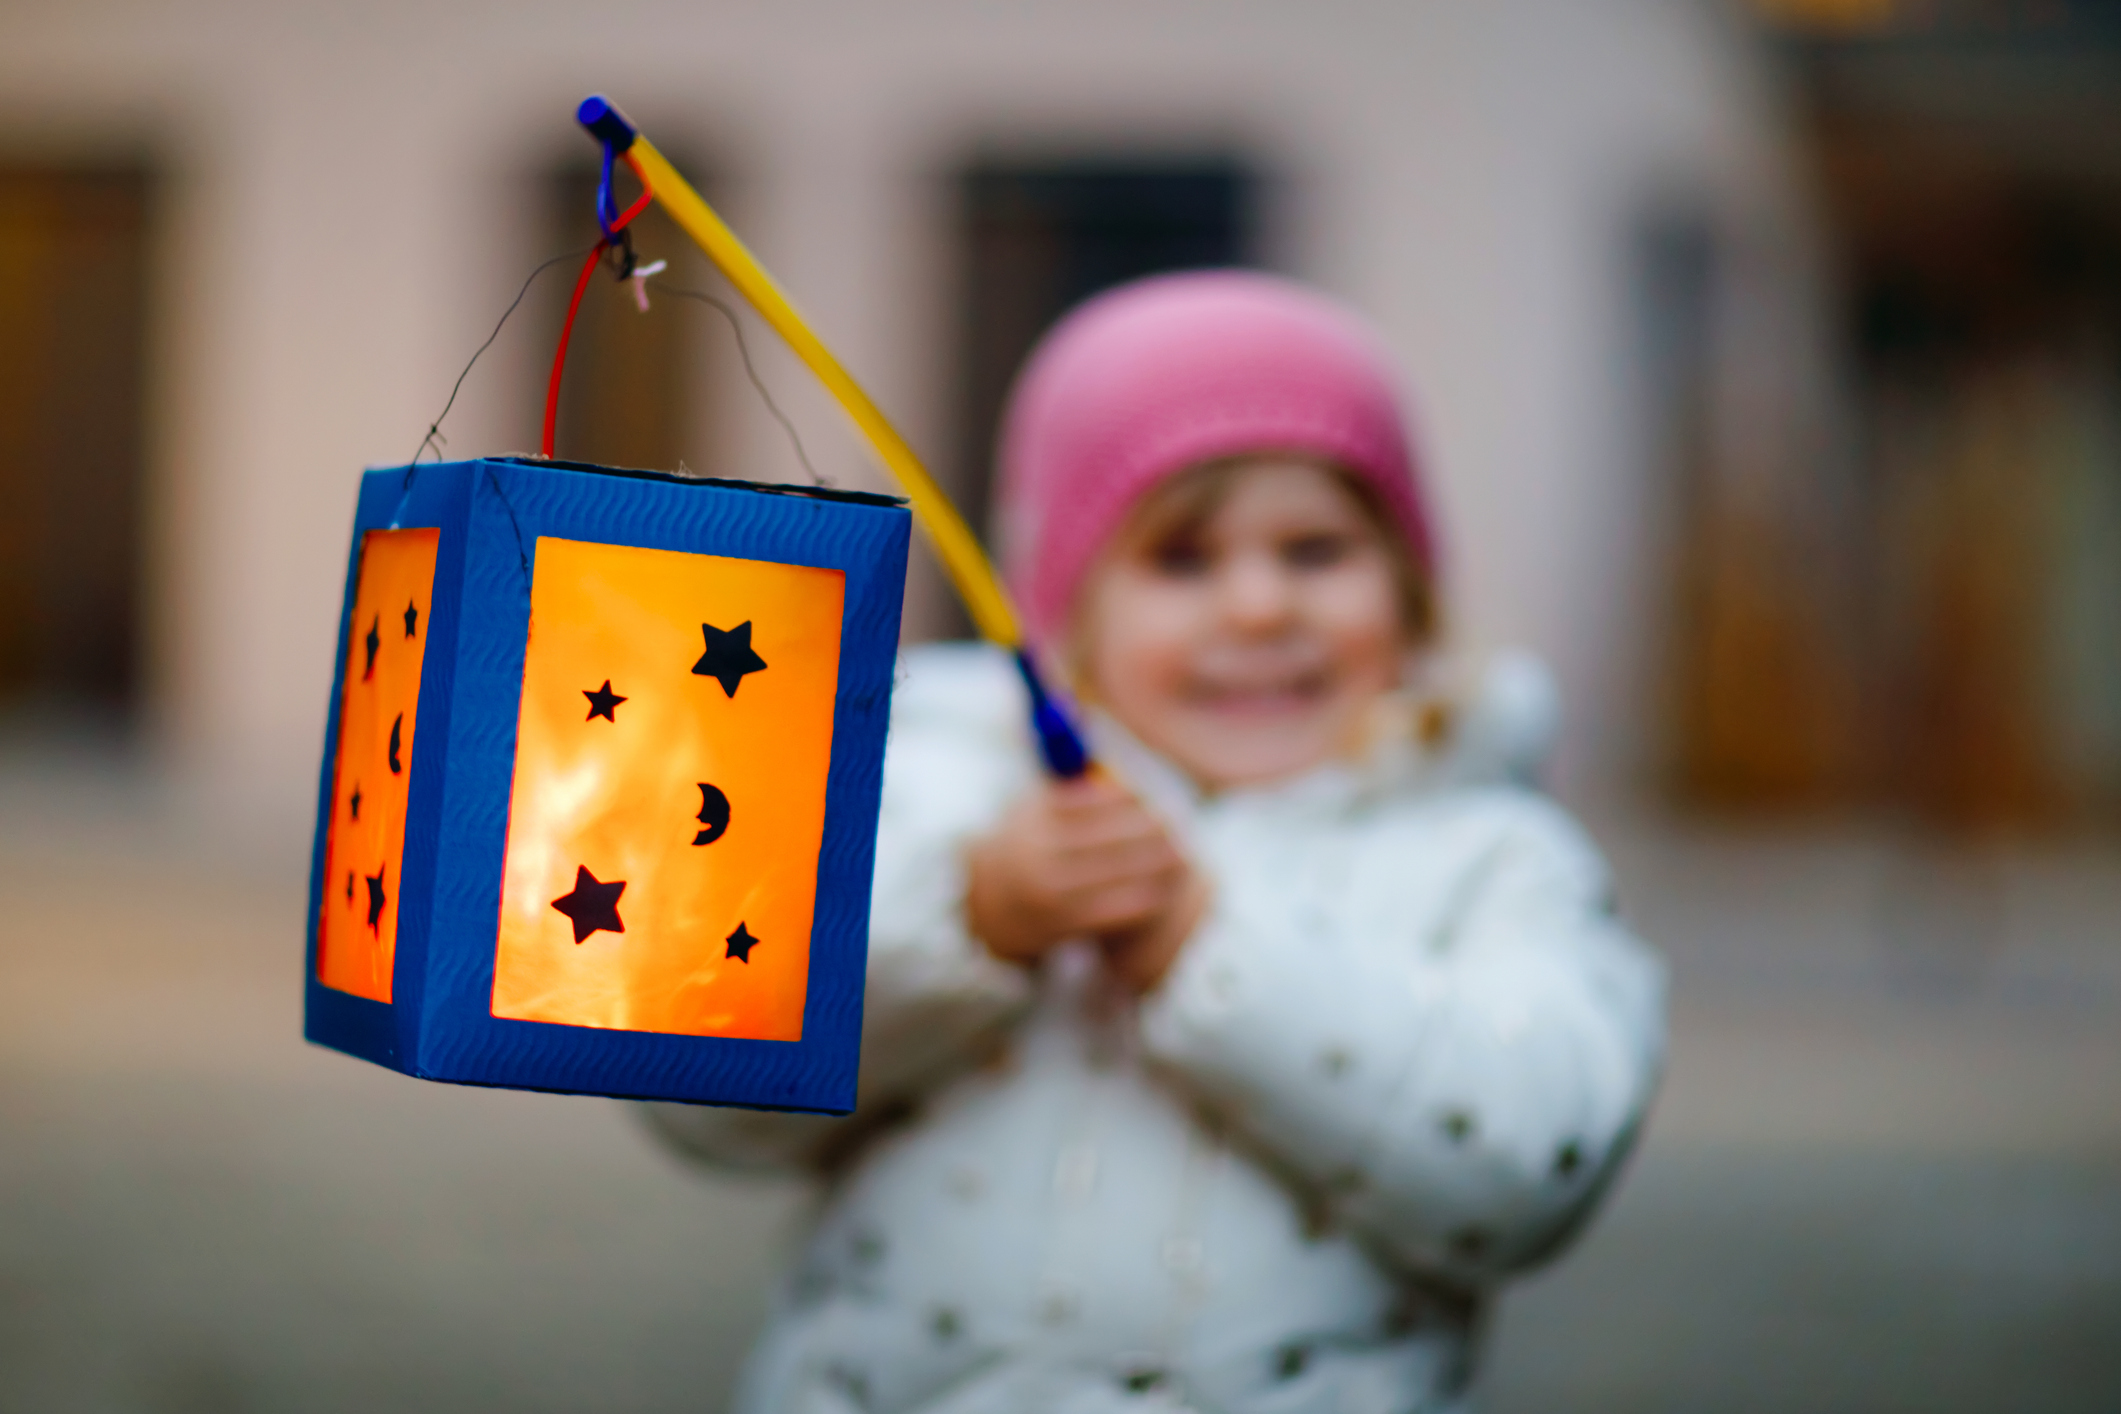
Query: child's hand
[
  {"x": 1083, "y": 858},
  {"x": 1140, "y": 956}
]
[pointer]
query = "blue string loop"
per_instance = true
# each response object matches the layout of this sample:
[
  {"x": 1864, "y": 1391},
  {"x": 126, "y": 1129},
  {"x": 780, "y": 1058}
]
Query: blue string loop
[{"x": 607, "y": 205}]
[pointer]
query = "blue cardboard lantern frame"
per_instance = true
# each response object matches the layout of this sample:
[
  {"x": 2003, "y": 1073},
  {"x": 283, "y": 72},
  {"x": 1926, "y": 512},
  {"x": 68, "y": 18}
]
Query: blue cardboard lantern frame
[{"x": 490, "y": 515}]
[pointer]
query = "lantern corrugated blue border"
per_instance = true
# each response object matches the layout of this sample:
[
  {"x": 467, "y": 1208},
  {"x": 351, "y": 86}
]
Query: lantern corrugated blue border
[{"x": 490, "y": 513}]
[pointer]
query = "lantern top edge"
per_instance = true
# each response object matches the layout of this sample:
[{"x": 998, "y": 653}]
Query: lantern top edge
[{"x": 844, "y": 496}]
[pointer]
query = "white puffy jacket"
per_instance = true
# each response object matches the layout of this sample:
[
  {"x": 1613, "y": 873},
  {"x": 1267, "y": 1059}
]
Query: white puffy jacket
[{"x": 1400, "y": 1060}]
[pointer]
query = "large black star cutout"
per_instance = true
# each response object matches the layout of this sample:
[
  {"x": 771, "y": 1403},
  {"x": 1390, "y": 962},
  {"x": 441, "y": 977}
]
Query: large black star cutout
[
  {"x": 594, "y": 904},
  {"x": 372, "y": 643},
  {"x": 602, "y": 703},
  {"x": 397, "y": 736},
  {"x": 714, "y": 814},
  {"x": 728, "y": 656},
  {"x": 740, "y": 944},
  {"x": 376, "y": 900},
  {"x": 353, "y": 802},
  {"x": 412, "y": 618}
]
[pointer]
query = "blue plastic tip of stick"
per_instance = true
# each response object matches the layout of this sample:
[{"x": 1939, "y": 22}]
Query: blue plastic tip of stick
[
  {"x": 1059, "y": 743},
  {"x": 603, "y": 119}
]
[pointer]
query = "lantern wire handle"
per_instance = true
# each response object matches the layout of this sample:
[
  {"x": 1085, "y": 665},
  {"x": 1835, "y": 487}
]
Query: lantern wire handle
[
  {"x": 613, "y": 223},
  {"x": 970, "y": 571}
]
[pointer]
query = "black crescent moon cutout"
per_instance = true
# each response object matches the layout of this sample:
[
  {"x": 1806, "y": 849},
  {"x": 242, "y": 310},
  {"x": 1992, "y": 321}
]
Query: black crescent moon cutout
[
  {"x": 397, "y": 733},
  {"x": 372, "y": 643},
  {"x": 714, "y": 814}
]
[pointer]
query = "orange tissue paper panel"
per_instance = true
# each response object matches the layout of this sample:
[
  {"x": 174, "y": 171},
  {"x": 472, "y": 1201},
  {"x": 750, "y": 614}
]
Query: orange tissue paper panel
[
  {"x": 668, "y": 801},
  {"x": 357, "y": 936}
]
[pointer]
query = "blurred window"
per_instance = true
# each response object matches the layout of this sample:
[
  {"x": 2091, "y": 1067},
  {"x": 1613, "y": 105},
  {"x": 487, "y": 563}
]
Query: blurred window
[
  {"x": 1037, "y": 238},
  {"x": 73, "y": 319}
]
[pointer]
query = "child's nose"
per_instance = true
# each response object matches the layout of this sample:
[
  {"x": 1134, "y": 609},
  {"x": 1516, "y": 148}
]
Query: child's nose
[{"x": 1256, "y": 592}]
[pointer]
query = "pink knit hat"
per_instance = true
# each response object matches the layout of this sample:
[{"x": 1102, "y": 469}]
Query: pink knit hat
[{"x": 1157, "y": 376}]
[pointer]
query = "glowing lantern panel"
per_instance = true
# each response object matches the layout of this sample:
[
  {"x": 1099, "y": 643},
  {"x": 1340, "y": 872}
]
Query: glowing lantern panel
[
  {"x": 357, "y": 926},
  {"x": 668, "y": 800}
]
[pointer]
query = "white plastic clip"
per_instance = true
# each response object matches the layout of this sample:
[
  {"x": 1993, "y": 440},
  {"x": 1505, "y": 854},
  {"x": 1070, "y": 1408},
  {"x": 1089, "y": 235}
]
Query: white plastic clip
[{"x": 640, "y": 280}]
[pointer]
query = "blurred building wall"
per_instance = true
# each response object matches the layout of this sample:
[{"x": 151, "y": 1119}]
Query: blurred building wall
[{"x": 349, "y": 195}]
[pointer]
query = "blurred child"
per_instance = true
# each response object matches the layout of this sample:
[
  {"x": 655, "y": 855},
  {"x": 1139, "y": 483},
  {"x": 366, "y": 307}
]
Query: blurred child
[{"x": 1237, "y": 1075}]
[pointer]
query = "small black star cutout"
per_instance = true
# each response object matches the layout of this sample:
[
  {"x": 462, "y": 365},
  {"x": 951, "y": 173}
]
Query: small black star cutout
[
  {"x": 412, "y": 619},
  {"x": 714, "y": 814},
  {"x": 593, "y": 905},
  {"x": 740, "y": 944},
  {"x": 353, "y": 802},
  {"x": 372, "y": 643},
  {"x": 376, "y": 900},
  {"x": 728, "y": 657},
  {"x": 397, "y": 733},
  {"x": 602, "y": 703}
]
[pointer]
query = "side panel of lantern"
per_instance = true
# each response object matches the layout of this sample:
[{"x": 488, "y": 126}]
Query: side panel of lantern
[
  {"x": 379, "y": 702},
  {"x": 593, "y": 949},
  {"x": 383, "y": 768}
]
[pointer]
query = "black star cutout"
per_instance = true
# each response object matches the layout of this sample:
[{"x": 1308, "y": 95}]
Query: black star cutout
[
  {"x": 353, "y": 802},
  {"x": 728, "y": 656},
  {"x": 397, "y": 733},
  {"x": 349, "y": 886},
  {"x": 412, "y": 619},
  {"x": 376, "y": 900},
  {"x": 740, "y": 944},
  {"x": 602, "y": 703},
  {"x": 714, "y": 814},
  {"x": 372, "y": 643},
  {"x": 594, "y": 904}
]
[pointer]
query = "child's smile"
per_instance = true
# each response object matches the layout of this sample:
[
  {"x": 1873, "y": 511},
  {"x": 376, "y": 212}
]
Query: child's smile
[{"x": 1243, "y": 620}]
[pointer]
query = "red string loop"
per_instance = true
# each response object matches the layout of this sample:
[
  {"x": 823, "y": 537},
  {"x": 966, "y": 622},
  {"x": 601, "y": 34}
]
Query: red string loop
[
  {"x": 633, "y": 163},
  {"x": 574, "y": 305},
  {"x": 559, "y": 355}
]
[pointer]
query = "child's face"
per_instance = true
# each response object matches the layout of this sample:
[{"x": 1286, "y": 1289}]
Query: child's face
[{"x": 1246, "y": 642}]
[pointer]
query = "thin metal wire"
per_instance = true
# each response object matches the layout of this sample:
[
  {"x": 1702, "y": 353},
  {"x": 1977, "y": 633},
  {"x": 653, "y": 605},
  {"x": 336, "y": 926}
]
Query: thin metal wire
[
  {"x": 435, "y": 441},
  {"x": 434, "y": 437},
  {"x": 743, "y": 348}
]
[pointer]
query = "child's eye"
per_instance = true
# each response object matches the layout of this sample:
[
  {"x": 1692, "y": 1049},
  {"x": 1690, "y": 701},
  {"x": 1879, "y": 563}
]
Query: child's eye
[
  {"x": 1180, "y": 558},
  {"x": 1316, "y": 551}
]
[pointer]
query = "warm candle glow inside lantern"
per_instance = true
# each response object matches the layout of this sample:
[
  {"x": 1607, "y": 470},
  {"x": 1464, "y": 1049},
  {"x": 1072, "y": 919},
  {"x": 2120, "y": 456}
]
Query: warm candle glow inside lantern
[
  {"x": 669, "y": 792},
  {"x": 599, "y": 802},
  {"x": 379, "y": 706}
]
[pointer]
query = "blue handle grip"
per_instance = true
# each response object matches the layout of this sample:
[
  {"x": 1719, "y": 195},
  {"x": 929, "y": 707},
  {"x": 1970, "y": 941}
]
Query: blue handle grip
[
  {"x": 611, "y": 127},
  {"x": 1060, "y": 744}
]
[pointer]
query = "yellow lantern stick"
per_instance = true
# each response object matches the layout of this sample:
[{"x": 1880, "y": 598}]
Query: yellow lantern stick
[{"x": 967, "y": 565}]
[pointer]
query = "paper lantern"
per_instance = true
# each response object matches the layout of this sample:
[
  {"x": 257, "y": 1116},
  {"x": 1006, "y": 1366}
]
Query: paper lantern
[{"x": 599, "y": 799}]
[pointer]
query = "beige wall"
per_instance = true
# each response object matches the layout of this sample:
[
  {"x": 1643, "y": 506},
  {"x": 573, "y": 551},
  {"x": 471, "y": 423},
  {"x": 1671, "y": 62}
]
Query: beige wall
[{"x": 347, "y": 215}]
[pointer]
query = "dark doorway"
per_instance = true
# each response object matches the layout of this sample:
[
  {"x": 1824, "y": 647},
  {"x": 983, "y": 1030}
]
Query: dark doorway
[
  {"x": 1914, "y": 605},
  {"x": 1040, "y": 237},
  {"x": 73, "y": 319}
]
